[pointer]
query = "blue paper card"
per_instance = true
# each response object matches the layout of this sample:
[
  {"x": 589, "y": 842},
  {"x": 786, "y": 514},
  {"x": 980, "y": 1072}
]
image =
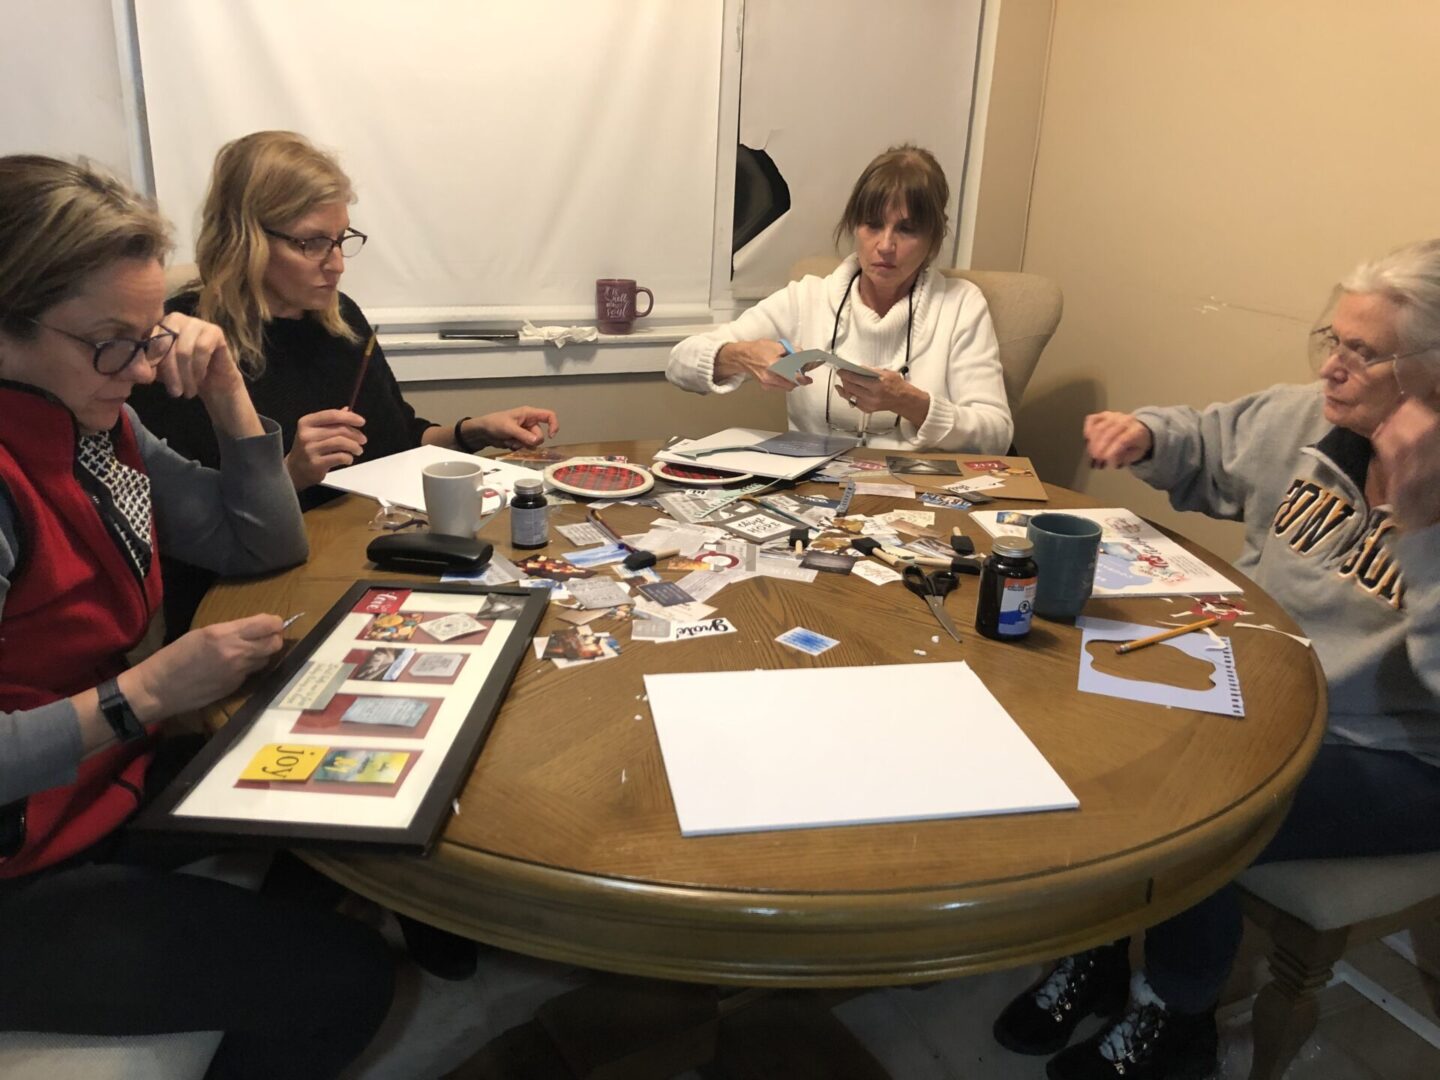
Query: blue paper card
[{"x": 807, "y": 641}]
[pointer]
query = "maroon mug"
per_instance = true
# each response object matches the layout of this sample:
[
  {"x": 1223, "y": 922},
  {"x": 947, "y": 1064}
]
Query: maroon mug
[{"x": 615, "y": 304}]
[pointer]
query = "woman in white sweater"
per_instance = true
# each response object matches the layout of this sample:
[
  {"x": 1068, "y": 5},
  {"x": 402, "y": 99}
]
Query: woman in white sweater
[{"x": 938, "y": 384}]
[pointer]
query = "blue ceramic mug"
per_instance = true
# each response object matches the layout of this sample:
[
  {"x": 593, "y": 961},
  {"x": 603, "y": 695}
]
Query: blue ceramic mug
[{"x": 1066, "y": 550}]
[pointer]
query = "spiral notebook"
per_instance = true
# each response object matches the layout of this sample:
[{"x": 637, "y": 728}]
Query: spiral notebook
[{"x": 1223, "y": 697}]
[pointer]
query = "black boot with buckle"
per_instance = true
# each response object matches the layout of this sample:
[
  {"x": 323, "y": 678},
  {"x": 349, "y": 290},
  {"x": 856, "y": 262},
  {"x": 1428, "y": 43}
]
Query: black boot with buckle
[
  {"x": 1149, "y": 1041},
  {"x": 1093, "y": 983}
]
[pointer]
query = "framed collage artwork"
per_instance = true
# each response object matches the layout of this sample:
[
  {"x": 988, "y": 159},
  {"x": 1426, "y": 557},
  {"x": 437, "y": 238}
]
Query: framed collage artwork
[{"x": 367, "y": 729}]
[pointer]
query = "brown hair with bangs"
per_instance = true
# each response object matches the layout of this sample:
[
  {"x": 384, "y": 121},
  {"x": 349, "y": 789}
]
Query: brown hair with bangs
[
  {"x": 263, "y": 180},
  {"x": 906, "y": 176}
]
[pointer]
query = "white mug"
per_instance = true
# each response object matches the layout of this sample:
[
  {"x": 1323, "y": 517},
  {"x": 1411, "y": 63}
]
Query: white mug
[{"x": 455, "y": 495}]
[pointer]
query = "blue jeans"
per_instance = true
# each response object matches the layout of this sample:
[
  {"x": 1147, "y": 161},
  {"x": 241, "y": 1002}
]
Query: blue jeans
[{"x": 1353, "y": 802}]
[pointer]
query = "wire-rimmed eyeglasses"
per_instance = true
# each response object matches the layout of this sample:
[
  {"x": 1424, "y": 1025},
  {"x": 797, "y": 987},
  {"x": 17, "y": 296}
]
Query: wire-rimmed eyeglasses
[
  {"x": 318, "y": 248},
  {"x": 1325, "y": 343},
  {"x": 114, "y": 355}
]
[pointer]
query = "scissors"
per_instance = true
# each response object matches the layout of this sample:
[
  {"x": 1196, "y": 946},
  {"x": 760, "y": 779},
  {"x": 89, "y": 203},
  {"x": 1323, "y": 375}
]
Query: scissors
[{"x": 934, "y": 588}]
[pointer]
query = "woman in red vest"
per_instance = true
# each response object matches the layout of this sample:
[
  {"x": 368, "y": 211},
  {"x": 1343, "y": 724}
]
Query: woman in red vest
[{"x": 91, "y": 941}]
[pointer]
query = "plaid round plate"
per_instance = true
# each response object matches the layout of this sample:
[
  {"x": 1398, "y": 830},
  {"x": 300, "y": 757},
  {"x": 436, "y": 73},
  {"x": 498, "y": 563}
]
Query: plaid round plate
[
  {"x": 599, "y": 478},
  {"x": 695, "y": 475}
]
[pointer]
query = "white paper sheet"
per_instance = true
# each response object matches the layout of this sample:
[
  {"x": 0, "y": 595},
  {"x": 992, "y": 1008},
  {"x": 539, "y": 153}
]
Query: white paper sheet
[
  {"x": 795, "y": 748},
  {"x": 397, "y": 478}
]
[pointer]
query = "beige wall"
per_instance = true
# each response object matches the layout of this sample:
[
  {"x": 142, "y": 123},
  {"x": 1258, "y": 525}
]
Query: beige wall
[
  {"x": 1011, "y": 133},
  {"x": 606, "y": 407},
  {"x": 1205, "y": 172}
]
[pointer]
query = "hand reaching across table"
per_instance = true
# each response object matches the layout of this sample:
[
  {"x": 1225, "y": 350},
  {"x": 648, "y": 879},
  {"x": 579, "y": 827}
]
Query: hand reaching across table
[{"x": 1114, "y": 440}]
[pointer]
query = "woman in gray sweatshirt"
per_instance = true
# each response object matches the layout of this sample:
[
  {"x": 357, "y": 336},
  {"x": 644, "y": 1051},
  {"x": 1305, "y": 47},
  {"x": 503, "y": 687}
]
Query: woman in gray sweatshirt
[{"x": 1338, "y": 484}]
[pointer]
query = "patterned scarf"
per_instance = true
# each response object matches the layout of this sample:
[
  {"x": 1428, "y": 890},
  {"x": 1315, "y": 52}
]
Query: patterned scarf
[{"x": 128, "y": 493}]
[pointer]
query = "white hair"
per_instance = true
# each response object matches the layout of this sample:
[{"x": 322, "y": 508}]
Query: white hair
[{"x": 1410, "y": 276}]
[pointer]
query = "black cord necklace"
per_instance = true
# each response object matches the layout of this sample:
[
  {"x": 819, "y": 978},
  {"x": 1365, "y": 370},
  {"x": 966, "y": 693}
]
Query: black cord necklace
[{"x": 835, "y": 335}]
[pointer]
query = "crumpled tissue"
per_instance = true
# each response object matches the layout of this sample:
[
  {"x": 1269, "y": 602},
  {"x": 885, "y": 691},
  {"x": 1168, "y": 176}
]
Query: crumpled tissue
[{"x": 559, "y": 336}]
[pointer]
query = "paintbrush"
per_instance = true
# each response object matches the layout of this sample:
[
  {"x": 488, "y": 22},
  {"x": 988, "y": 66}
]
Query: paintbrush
[{"x": 364, "y": 367}]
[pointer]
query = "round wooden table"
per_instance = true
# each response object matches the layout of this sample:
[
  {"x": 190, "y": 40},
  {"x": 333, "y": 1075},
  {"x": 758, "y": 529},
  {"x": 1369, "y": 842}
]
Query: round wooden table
[{"x": 567, "y": 845}]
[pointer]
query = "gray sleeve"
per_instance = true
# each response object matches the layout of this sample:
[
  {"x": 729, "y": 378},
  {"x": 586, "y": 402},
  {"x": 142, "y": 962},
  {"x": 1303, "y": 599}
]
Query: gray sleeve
[
  {"x": 39, "y": 748},
  {"x": 1204, "y": 459},
  {"x": 243, "y": 518}
]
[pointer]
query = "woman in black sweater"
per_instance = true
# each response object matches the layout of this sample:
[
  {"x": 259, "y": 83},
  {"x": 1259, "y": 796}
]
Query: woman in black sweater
[
  {"x": 274, "y": 236},
  {"x": 273, "y": 240}
]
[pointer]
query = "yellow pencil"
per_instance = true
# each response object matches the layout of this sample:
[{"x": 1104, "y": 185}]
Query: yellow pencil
[{"x": 1176, "y": 631}]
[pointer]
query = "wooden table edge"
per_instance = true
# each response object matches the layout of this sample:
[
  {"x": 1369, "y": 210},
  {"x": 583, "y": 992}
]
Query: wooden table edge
[{"x": 771, "y": 938}]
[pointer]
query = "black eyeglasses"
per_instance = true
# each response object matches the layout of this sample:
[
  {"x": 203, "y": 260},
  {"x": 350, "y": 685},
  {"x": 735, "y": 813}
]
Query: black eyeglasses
[
  {"x": 318, "y": 248},
  {"x": 114, "y": 355}
]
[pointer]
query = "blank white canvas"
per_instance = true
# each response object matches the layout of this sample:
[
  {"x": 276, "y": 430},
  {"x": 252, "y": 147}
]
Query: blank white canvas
[{"x": 747, "y": 751}]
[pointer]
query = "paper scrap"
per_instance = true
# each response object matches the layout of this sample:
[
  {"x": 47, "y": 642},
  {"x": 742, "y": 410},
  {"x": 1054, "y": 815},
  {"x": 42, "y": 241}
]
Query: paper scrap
[
  {"x": 665, "y": 593},
  {"x": 949, "y": 502},
  {"x": 923, "y": 518},
  {"x": 598, "y": 592},
  {"x": 279, "y": 762},
  {"x": 693, "y": 612},
  {"x": 582, "y": 533},
  {"x": 685, "y": 631},
  {"x": 807, "y": 641},
  {"x": 975, "y": 483},
  {"x": 313, "y": 685},
  {"x": 784, "y": 569},
  {"x": 874, "y": 572},
  {"x": 647, "y": 629},
  {"x": 892, "y": 491},
  {"x": 703, "y": 584},
  {"x": 596, "y": 556},
  {"x": 385, "y": 711},
  {"x": 576, "y": 645},
  {"x": 449, "y": 627},
  {"x": 1276, "y": 630}
]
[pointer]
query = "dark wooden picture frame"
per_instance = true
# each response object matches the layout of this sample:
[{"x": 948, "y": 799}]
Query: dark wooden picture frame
[{"x": 430, "y": 816}]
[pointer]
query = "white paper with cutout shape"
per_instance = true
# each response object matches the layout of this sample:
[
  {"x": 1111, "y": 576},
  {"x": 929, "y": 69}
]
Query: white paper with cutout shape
[{"x": 1223, "y": 697}]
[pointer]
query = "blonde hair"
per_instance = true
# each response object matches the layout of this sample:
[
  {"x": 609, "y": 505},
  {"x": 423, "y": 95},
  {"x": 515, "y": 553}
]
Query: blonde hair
[
  {"x": 60, "y": 222},
  {"x": 263, "y": 180},
  {"x": 909, "y": 176}
]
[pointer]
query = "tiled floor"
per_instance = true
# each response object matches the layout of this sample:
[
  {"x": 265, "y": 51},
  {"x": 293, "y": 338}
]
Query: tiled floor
[{"x": 941, "y": 1032}]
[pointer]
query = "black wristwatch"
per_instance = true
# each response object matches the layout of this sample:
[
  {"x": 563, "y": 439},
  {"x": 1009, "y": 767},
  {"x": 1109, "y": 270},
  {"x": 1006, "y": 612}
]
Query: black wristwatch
[{"x": 118, "y": 714}]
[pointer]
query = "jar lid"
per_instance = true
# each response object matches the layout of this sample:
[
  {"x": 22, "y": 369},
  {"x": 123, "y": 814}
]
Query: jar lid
[
  {"x": 529, "y": 486},
  {"x": 1013, "y": 547}
]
